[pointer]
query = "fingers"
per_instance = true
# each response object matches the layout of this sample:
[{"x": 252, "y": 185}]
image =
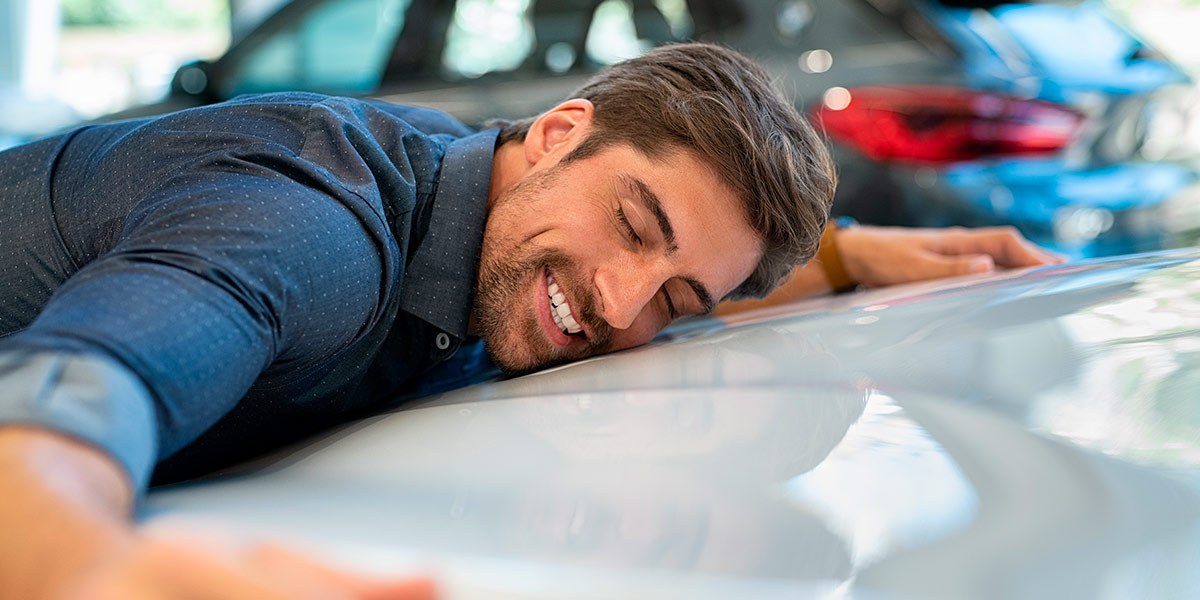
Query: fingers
[
  {"x": 163, "y": 570},
  {"x": 937, "y": 266},
  {"x": 201, "y": 567},
  {"x": 417, "y": 589},
  {"x": 290, "y": 565},
  {"x": 1005, "y": 245},
  {"x": 1016, "y": 251}
]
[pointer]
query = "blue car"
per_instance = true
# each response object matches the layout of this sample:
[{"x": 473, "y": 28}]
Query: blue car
[{"x": 1060, "y": 122}]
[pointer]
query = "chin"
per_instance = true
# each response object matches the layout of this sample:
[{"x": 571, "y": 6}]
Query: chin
[
  {"x": 511, "y": 309},
  {"x": 509, "y": 342},
  {"x": 517, "y": 359}
]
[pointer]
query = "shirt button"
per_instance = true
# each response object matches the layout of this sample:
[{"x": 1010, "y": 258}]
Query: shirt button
[{"x": 442, "y": 340}]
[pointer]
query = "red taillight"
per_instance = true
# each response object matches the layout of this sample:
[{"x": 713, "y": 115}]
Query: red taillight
[{"x": 943, "y": 124}]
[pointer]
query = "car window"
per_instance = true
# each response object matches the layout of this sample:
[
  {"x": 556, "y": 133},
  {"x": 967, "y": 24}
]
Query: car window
[
  {"x": 613, "y": 35},
  {"x": 488, "y": 36},
  {"x": 341, "y": 46},
  {"x": 346, "y": 46}
]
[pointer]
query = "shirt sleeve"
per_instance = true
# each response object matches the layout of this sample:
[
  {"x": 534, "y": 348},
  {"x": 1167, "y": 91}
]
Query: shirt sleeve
[
  {"x": 87, "y": 397},
  {"x": 232, "y": 268}
]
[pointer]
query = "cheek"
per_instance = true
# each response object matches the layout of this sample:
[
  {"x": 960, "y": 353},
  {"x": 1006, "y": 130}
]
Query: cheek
[{"x": 581, "y": 237}]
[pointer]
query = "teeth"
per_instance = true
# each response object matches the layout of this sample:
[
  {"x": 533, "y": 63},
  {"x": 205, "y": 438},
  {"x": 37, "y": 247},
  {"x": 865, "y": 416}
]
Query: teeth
[
  {"x": 560, "y": 309},
  {"x": 572, "y": 326}
]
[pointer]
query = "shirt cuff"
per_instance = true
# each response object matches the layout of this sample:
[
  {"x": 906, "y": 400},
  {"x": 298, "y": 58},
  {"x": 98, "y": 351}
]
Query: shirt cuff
[{"x": 92, "y": 398}]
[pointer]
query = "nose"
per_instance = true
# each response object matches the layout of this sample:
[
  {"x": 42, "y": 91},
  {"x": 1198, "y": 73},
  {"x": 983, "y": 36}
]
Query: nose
[{"x": 625, "y": 290}]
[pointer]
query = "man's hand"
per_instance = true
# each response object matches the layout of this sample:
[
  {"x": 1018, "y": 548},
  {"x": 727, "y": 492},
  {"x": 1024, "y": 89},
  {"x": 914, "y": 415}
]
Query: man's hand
[
  {"x": 189, "y": 565},
  {"x": 877, "y": 256},
  {"x": 66, "y": 532}
]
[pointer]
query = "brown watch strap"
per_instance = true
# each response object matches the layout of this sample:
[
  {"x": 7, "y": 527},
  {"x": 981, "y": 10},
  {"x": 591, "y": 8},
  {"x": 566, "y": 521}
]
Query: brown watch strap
[{"x": 831, "y": 260}]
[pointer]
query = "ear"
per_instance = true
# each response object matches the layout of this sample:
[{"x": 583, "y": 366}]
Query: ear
[{"x": 557, "y": 131}]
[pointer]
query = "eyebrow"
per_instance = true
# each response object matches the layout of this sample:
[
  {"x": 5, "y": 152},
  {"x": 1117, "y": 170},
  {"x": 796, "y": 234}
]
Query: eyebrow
[
  {"x": 650, "y": 199},
  {"x": 654, "y": 205}
]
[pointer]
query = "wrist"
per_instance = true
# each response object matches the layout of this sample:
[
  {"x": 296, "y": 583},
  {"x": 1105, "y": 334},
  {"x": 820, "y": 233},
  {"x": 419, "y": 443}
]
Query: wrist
[
  {"x": 830, "y": 258},
  {"x": 66, "y": 511}
]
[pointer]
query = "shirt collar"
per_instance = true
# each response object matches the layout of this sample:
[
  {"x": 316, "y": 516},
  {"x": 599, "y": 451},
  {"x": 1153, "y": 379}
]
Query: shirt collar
[{"x": 440, "y": 278}]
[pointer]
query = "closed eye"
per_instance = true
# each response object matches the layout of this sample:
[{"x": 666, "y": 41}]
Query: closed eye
[
  {"x": 627, "y": 226},
  {"x": 672, "y": 313}
]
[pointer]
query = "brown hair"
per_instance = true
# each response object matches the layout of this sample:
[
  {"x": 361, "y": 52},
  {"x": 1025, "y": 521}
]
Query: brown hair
[{"x": 723, "y": 107}]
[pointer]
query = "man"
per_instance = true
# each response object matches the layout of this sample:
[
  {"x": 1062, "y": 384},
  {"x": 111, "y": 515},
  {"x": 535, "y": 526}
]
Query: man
[{"x": 181, "y": 293}]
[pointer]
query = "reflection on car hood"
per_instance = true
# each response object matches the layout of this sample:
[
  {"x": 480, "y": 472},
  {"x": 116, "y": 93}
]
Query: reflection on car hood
[{"x": 1024, "y": 435}]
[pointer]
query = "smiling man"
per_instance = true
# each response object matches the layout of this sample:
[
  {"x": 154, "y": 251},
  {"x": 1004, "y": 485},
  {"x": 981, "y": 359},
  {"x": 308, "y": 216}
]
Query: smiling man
[
  {"x": 668, "y": 184},
  {"x": 595, "y": 254},
  {"x": 184, "y": 292},
  {"x": 635, "y": 251}
]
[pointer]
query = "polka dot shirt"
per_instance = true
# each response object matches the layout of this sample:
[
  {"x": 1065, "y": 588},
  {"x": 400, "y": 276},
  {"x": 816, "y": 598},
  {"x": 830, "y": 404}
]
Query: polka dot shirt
[{"x": 194, "y": 289}]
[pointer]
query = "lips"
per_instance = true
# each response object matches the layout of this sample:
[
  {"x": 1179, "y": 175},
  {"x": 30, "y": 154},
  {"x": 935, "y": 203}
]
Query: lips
[{"x": 560, "y": 308}]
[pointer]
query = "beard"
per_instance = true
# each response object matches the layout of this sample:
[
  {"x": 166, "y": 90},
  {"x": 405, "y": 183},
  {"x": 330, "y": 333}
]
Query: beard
[{"x": 505, "y": 316}]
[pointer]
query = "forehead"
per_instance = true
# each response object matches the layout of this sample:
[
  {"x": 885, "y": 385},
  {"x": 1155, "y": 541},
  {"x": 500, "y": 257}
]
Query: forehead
[{"x": 716, "y": 244}]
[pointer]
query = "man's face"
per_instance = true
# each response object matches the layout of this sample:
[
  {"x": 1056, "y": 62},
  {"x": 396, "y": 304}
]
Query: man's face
[{"x": 600, "y": 253}]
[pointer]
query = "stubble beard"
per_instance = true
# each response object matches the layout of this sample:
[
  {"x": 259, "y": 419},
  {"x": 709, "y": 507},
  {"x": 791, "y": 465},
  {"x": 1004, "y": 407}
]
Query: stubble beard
[{"x": 504, "y": 318}]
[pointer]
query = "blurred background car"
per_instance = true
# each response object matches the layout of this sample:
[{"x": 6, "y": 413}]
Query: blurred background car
[
  {"x": 1046, "y": 115},
  {"x": 1057, "y": 120},
  {"x": 1050, "y": 115}
]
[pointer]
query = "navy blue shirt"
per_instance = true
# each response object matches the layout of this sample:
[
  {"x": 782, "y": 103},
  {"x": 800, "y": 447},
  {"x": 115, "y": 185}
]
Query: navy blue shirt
[{"x": 190, "y": 290}]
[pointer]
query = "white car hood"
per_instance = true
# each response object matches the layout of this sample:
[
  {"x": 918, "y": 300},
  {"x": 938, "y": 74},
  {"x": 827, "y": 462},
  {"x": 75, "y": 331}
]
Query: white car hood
[{"x": 1025, "y": 435}]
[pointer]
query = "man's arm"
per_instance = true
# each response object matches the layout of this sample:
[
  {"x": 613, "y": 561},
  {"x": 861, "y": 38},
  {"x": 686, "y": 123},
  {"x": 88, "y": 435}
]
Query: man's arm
[
  {"x": 878, "y": 256},
  {"x": 65, "y": 532},
  {"x": 197, "y": 297},
  {"x": 66, "y": 507}
]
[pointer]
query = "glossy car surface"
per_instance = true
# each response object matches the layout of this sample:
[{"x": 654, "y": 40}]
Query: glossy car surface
[{"x": 1025, "y": 435}]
